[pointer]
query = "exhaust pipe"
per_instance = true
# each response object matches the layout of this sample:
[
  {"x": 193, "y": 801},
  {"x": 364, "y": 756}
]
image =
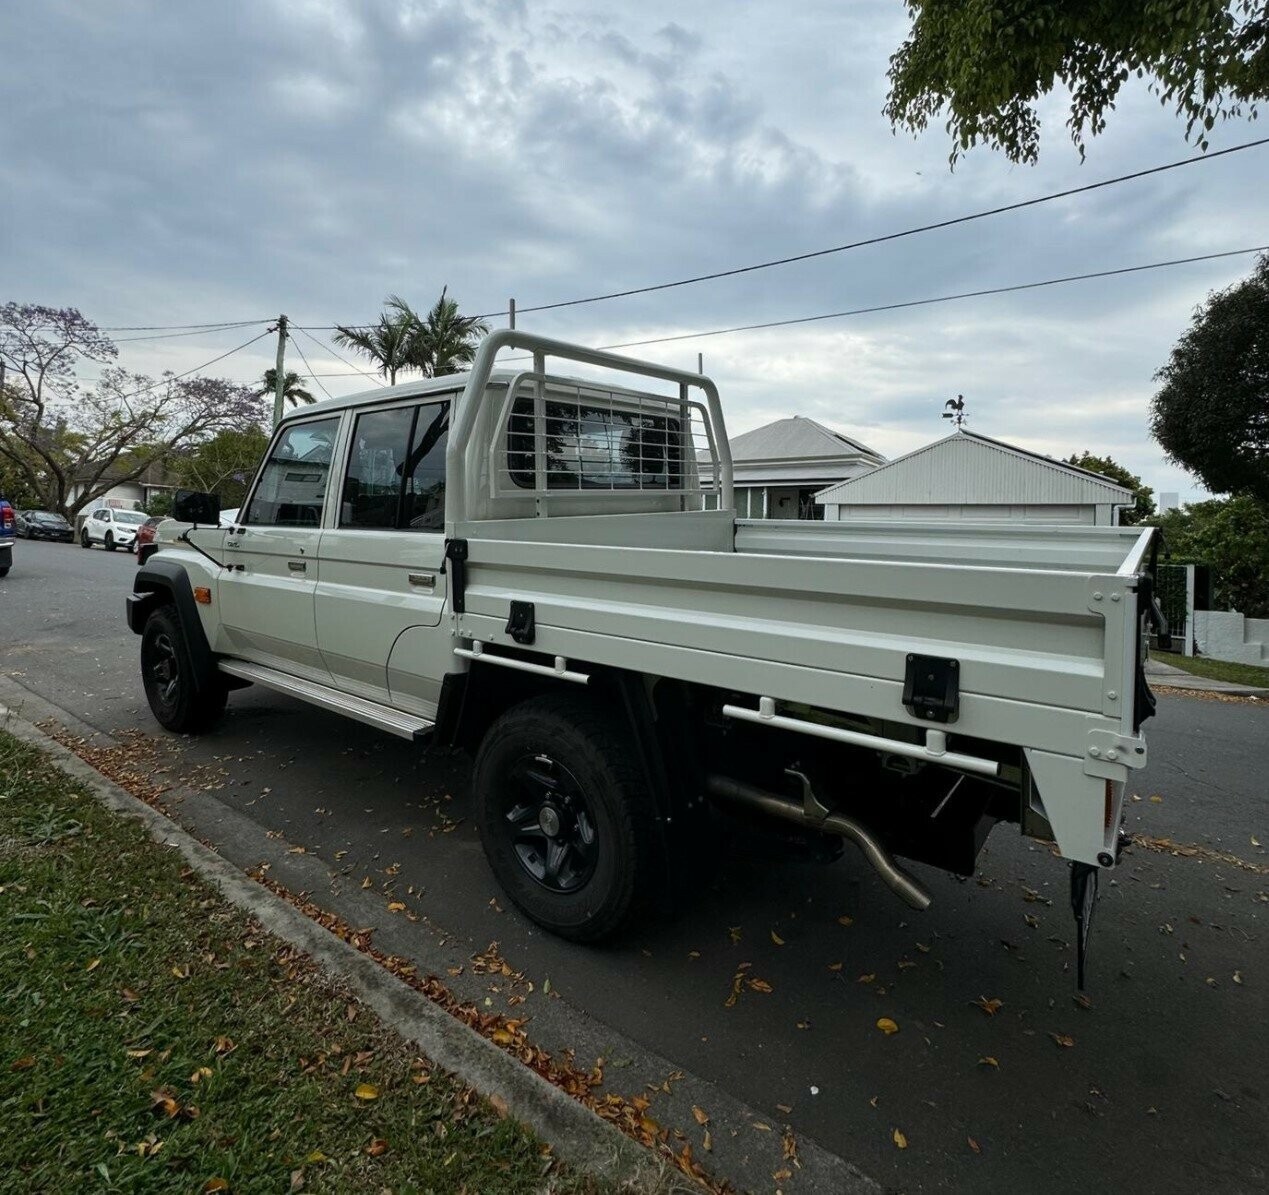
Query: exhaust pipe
[{"x": 814, "y": 816}]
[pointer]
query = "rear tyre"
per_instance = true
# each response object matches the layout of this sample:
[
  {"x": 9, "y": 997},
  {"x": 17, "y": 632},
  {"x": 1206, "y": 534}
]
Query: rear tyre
[
  {"x": 167, "y": 672},
  {"x": 566, "y": 817},
  {"x": 4, "y": 572},
  {"x": 84, "y": 541},
  {"x": 109, "y": 542}
]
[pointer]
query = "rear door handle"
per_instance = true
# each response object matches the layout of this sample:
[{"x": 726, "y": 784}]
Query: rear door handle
[
  {"x": 422, "y": 580},
  {"x": 297, "y": 566}
]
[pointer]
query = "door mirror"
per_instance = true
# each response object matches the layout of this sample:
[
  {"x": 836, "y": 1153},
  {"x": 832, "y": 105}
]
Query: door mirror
[{"x": 191, "y": 506}]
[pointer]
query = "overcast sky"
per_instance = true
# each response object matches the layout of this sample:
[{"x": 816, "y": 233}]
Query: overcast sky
[{"x": 174, "y": 164}]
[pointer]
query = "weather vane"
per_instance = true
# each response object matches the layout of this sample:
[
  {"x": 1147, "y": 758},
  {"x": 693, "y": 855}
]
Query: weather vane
[{"x": 955, "y": 410}]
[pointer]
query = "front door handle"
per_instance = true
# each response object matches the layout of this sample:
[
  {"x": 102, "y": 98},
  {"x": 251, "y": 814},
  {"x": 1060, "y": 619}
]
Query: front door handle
[{"x": 297, "y": 566}]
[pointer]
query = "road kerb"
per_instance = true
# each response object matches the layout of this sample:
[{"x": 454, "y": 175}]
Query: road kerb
[{"x": 577, "y": 1136}]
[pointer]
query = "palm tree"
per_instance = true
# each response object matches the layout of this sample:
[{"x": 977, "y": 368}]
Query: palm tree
[
  {"x": 446, "y": 341},
  {"x": 292, "y": 387},
  {"x": 386, "y": 343},
  {"x": 441, "y": 342}
]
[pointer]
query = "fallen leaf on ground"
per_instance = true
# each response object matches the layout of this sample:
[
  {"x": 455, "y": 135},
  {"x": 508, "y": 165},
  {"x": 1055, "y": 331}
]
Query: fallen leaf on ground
[
  {"x": 734, "y": 931},
  {"x": 93, "y": 964},
  {"x": 215, "y": 1184},
  {"x": 380, "y": 1146},
  {"x": 867, "y": 978},
  {"x": 708, "y": 1142},
  {"x": 900, "y": 1140},
  {"x": 366, "y": 1091},
  {"x": 223, "y": 1045},
  {"x": 23, "y": 1064},
  {"x": 761, "y": 1126},
  {"x": 1063, "y": 1039},
  {"x": 1238, "y": 977},
  {"x": 990, "y": 1007},
  {"x": 395, "y": 906},
  {"x": 835, "y": 966},
  {"x": 887, "y": 1026},
  {"x": 988, "y": 1060},
  {"x": 760, "y": 985},
  {"x": 702, "y": 1117},
  {"x": 499, "y": 1105},
  {"x": 846, "y": 921},
  {"x": 974, "y": 1145},
  {"x": 1156, "y": 799},
  {"x": 775, "y": 937}
]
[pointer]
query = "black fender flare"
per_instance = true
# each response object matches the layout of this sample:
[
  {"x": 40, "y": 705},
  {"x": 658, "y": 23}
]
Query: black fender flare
[{"x": 159, "y": 582}]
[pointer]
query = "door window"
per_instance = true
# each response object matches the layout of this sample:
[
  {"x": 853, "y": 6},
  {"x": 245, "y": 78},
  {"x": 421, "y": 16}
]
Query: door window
[
  {"x": 396, "y": 469},
  {"x": 292, "y": 484}
]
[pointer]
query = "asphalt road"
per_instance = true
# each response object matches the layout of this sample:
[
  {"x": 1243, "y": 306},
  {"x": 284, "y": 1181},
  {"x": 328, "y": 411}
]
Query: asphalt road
[{"x": 1164, "y": 1087}]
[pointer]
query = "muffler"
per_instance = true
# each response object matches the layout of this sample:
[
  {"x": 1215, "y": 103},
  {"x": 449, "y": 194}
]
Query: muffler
[{"x": 815, "y": 816}]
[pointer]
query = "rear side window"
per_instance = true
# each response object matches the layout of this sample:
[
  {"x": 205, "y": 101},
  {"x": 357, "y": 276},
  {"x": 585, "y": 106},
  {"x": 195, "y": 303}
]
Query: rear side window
[
  {"x": 594, "y": 448},
  {"x": 292, "y": 485},
  {"x": 396, "y": 469}
]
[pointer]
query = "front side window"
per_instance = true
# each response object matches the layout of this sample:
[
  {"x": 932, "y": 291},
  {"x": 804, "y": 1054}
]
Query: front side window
[
  {"x": 594, "y": 448},
  {"x": 396, "y": 469},
  {"x": 292, "y": 484}
]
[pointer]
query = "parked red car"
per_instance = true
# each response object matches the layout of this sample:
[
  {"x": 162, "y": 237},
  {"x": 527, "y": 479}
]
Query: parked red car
[{"x": 144, "y": 544}]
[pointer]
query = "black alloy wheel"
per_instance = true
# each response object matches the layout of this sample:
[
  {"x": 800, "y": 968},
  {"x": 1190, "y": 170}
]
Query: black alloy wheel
[
  {"x": 566, "y": 818},
  {"x": 177, "y": 699},
  {"x": 551, "y": 823}
]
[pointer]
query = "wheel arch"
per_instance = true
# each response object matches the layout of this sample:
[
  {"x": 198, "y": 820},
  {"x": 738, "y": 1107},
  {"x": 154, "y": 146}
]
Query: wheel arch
[{"x": 160, "y": 582}]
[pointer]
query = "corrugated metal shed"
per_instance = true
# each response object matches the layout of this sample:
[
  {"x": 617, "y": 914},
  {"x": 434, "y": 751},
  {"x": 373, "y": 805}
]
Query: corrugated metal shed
[{"x": 968, "y": 468}]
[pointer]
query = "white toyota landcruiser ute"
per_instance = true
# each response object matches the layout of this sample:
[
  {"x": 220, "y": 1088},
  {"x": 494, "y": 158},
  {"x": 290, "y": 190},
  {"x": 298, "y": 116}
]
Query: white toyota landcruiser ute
[{"x": 530, "y": 567}]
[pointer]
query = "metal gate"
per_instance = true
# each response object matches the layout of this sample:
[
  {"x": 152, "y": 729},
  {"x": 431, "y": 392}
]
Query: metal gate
[{"x": 1171, "y": 586}]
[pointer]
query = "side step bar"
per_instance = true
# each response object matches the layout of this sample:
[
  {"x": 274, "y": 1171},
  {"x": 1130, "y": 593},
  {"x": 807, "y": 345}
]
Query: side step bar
[{"x": 406, "y": 726}]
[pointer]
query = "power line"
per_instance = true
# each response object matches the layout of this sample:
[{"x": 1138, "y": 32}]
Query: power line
[
  {"x": 307, "y": 366},
  {"x": 890, "y": 236},
  {"x": 973, "y": 294},
  {"x": 164, "y": 381},
  {"x": 207, "y": 331},
  {"x": 327, "y": 349}
]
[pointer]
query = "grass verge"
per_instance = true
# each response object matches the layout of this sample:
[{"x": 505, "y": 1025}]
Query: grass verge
[
  {"x": 154, "y": 1038},
  {"x": 1238, "y": 674}
]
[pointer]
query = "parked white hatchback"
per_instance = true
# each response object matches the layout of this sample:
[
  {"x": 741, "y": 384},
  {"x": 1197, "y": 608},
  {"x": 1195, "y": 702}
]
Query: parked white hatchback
[{"x": 111, "y": 528}]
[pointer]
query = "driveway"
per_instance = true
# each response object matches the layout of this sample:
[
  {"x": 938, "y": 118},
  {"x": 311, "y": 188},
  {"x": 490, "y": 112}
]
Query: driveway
[{"x": 1159, "y": 1085}]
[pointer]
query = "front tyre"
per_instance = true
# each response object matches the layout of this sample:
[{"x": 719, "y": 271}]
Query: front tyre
[
  {"x": 565, "y": 816},
  {"x": 109, "y": 542},
  {"x": 167, "y": 672},
  {"x": 84, "y": 541}
]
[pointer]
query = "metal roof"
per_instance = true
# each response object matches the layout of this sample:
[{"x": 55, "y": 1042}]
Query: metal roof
[
  {"x": 967, "y": 467},
  {"x": 796, "y": 438}
]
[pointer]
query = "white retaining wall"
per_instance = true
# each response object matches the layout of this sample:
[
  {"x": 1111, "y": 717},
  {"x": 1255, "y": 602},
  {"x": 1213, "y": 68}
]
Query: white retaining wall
[{"x": 1227, "y": 635}]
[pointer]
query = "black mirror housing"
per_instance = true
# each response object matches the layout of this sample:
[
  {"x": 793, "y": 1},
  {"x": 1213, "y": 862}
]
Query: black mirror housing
[{"x": 193, "y": 506}]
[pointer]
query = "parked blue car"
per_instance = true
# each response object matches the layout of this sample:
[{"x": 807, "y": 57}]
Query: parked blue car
[{"x": 8, "y": 529}]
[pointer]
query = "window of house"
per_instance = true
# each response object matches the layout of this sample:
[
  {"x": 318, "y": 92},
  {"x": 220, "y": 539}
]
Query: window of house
[
  {"x": 396, "y": 469},
  {"x": 292, "y": 485},
  {"x": 594, "y": 448}
]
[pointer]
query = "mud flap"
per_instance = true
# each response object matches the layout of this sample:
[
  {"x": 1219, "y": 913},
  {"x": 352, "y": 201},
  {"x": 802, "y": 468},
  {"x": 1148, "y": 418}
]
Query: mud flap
[{"x": 1083, "y": 902}]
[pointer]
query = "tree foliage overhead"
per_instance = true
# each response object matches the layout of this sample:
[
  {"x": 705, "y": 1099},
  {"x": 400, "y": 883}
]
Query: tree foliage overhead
[
  {"x": 1211, "y": 414},
  {"x": 1110, "y": 468},
  {"x": 69, "y": 441},
  {"x": 987, "y": 63},
  {"x": 442, "y": 341}
]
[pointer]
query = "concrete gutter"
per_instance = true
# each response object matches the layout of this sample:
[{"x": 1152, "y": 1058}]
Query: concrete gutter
[{"x": 1168, "y": 676}]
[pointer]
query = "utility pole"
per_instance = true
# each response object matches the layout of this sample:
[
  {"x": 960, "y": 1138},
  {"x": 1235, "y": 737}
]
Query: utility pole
[
  {"x": 512, "y": 310},
  {"x": 279, "y": 379},
  {"x": 700, "y": 362}
]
